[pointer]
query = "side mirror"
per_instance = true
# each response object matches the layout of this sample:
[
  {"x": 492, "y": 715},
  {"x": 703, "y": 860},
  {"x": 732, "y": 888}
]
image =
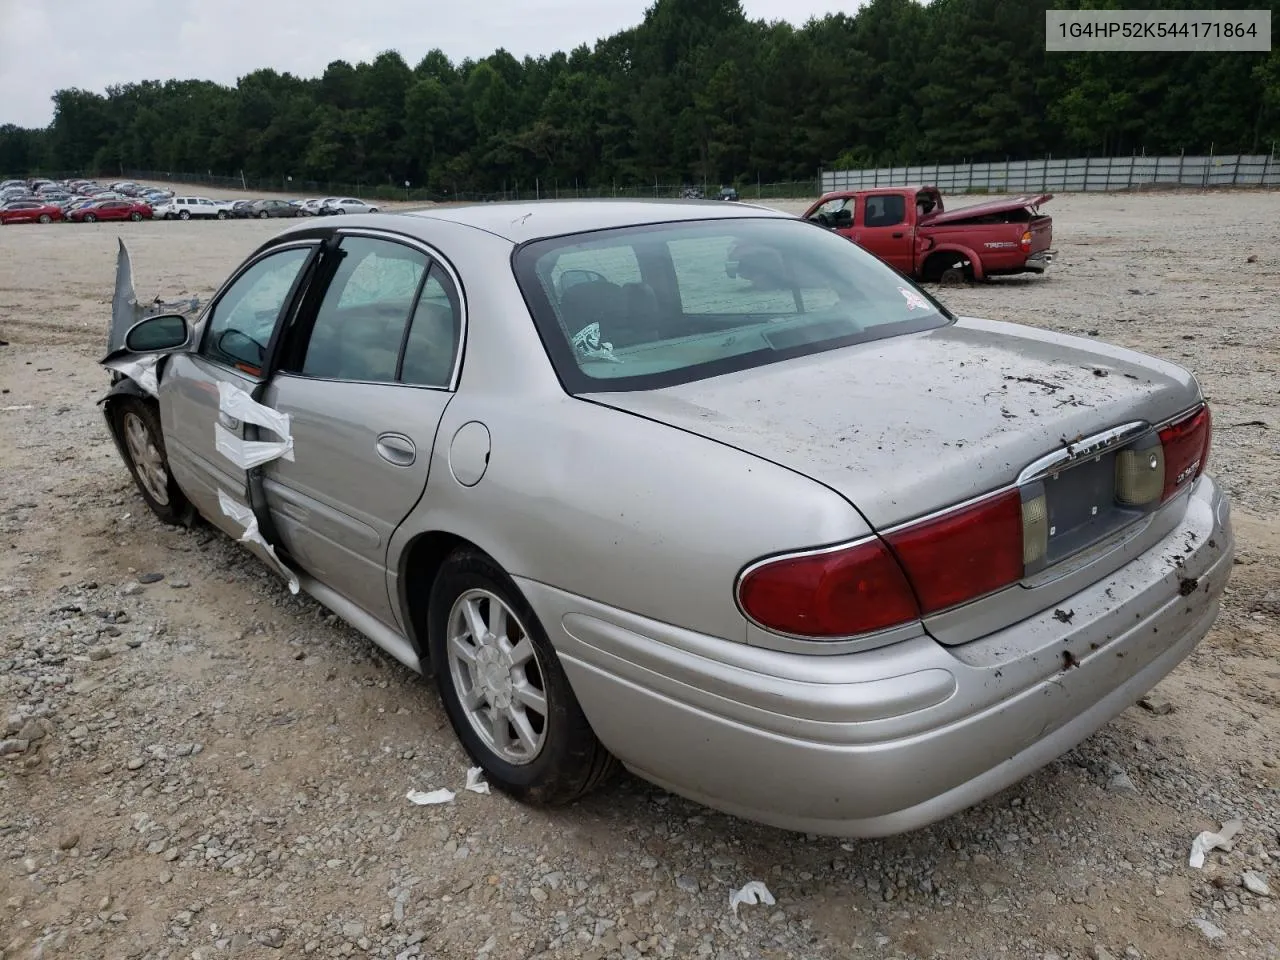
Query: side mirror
[{"x": 168, "y": 331}]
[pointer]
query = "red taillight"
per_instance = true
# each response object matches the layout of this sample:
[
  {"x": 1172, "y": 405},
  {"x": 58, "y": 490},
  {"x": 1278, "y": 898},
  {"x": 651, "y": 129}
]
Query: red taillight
[
  {"x": 835, "y": 593},
  {"x": 926, "y": 567},
  {"x": 1186, "y": 450},
  {"x": 1026, "y": 240},
  {"x": 965, "y": 553}
]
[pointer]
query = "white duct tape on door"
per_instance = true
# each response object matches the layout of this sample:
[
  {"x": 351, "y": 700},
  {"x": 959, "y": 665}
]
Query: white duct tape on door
[
  {"x": 244, "y": 516},
  {"x": 246, "y": 454}
]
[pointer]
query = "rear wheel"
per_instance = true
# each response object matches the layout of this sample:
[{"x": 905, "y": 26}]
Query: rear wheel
[
  {"x": 263, "y": 215},
  {"x": 953, "y": 277},
  {"x": 504, "y": 689},
  {"x": 185, "y": 215},
  {"x": 90, "y": 218},
  {"x": 222, "y": 214},
  {"x": 45, "y": 218},
  {"x": 137, "y": 422}
]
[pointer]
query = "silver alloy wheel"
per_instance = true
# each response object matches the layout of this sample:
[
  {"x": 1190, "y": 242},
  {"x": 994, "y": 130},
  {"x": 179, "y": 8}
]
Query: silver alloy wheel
[
  {"x": 147, "y": 458},
  {"x": 497, "y": 675}
]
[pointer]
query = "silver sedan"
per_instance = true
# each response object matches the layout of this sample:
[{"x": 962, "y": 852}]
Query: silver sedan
[{"x": 695, "y": 488}]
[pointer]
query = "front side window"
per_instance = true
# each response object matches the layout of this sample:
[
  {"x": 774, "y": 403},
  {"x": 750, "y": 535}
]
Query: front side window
[
  {"x": 361, "y": 323},
  {"x": 639, "y": 308},
  {"x": 244, "y": 317}
]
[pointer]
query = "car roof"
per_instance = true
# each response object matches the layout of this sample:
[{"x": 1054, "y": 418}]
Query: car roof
[{"x": 522, "y": 221}]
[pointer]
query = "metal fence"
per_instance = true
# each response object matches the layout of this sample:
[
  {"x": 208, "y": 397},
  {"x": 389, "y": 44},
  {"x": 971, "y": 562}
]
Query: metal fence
[{"x": 1070, "y": 176}]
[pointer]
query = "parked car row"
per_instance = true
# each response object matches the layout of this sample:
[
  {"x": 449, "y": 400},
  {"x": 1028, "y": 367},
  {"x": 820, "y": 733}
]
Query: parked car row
[{"x": 86, "y": 201}]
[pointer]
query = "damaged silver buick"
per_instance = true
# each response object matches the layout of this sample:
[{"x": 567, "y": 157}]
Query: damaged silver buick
[{"x": 699, "y": 489}]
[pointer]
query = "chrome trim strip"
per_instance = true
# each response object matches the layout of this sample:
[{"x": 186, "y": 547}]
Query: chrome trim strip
[{"x": 1082, "y": 449}]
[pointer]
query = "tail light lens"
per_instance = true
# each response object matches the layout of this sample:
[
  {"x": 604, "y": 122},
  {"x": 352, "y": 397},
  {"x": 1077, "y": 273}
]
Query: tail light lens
[
  {"x": 1185, "y": 446},
  {"x": 1026, "y": 240},
  {"x": 875, "y": 584},
  {"x": 835, "y": 593},
  {"x": 964, "y": 553}
]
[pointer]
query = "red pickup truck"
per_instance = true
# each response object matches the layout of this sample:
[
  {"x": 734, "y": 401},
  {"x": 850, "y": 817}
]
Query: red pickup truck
[{"x": 909, "y": 229}]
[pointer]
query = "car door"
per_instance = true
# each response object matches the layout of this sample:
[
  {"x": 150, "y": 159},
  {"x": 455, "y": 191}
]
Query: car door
[
  {"x": 204, "y": 393},
  {"x": 883, "y": 229},
  {"x": 364, "y": 381}
]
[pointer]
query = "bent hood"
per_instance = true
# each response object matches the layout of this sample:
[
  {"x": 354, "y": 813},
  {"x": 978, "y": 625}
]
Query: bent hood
[{"x": 908, "y": 425}]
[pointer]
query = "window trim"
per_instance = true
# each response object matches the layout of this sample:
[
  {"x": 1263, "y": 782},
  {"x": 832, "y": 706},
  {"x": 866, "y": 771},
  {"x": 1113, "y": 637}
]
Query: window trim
[
  {"x": 434, "y": 257},
  {"x": 290, "y": 303}
]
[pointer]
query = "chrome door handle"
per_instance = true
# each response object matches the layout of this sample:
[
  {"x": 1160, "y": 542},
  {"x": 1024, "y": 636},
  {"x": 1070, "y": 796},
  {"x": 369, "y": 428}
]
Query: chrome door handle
[{"x": 397, "y": 449}]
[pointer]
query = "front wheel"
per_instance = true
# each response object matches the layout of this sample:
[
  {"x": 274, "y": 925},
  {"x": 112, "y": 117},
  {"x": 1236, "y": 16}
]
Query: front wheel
[
  {"x": 263, "y": 215},
  {"x": 135, "y": 216},
  {"x": 222, "y": 214},
  {"x": 185, "y": 215},
  {"x": 90, "y": 218},
  {"x": 504, "y": 689},
  {"x": 45, "y": 218},
  {"x": 137, "y": 423}
]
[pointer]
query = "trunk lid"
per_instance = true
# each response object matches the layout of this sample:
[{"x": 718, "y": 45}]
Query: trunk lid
[{"x": 905, "y": 426}]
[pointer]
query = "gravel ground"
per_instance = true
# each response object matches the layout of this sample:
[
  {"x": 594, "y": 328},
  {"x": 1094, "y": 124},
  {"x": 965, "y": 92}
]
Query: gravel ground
[{"x": 197, "y": 765}]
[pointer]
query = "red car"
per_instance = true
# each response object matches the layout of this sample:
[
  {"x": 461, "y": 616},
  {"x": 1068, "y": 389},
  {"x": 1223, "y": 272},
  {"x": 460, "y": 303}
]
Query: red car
[
  {"x": 112, "y": 210},
  {"x": 29, "y": 211}
]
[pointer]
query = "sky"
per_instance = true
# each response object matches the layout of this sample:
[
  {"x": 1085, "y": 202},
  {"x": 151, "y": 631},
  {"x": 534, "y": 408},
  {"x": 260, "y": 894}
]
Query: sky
[{"x": 48, "y": 45}]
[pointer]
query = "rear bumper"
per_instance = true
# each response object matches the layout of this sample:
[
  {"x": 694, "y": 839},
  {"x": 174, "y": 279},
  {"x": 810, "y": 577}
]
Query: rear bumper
[
  {"x": 888, "y": 740},
  {"x": 1039, "y": 262}
]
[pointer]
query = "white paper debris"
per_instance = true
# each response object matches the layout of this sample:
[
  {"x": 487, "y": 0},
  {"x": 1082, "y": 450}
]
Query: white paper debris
[
  {"x": 430, "y": 799},
  {"x": 1213, "y": 841},
  {"x": 19, "y": 406},
  {"x": 1255, "y": 883},
  {"x": 247, "y": 454},
  {"x": 244, "y": 516},
  {"x": 474, "y": 782},
  {"x": 752, "y": 893}
]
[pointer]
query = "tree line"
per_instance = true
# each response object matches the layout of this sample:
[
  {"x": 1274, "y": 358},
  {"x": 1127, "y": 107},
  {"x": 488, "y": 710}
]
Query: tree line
[{"x": 696, "y": 92}]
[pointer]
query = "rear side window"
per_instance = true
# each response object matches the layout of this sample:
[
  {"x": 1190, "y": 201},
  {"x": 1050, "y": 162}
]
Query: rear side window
[
  {"x": 639, "y": 308},
  {"x": 361, "y": 322},
  {"x": 432, "y": 344},
  {"x": 885, "y": 210}
]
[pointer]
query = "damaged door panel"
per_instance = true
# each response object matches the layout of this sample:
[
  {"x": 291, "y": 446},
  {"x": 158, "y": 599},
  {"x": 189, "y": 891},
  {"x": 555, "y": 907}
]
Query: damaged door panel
[{"x": 220, "y": 434}]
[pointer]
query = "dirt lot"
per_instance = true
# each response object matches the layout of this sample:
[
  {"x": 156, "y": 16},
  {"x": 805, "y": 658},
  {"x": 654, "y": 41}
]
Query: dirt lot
[{"x": 208, "y": 767}]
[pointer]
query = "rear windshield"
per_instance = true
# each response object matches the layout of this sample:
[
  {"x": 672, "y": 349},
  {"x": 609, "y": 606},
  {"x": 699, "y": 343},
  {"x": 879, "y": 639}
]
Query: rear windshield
[{"x": 639, "y": 308}]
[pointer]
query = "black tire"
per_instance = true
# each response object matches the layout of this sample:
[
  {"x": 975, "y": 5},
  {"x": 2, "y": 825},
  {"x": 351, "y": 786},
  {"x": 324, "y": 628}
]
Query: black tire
[
  {"x": 263, "y": 215},
  {"x": 184, "y": 215},
  {"x": 176, "y": 508},
  {"x": 222, "y": 214},
  {"x": 953, "y": 277},
  {"x": 135, "y": 216},
  {"x": 571, "y": 762},
  {"x": 90, "y": 218},
  {"x": 45, "y": 218}
]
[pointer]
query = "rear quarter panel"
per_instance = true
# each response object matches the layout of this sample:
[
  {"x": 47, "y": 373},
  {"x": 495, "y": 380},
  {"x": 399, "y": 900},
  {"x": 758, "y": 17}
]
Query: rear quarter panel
[{"x": 625, "y": 511}]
